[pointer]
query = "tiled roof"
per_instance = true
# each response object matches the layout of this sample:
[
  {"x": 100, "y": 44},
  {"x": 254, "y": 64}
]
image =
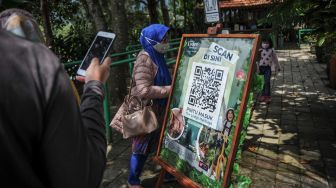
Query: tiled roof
[{"x": 242, "y": 3}]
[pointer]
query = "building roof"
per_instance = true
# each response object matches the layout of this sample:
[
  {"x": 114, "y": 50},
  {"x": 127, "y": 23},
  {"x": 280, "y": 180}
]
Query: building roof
[{"x": 226, "y": 4}]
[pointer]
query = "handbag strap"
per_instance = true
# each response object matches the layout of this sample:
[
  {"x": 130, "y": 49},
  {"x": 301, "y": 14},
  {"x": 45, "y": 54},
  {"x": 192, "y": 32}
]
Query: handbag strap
[
  {"x": 130, "y": 89},
  {"x": 130, "y": 97},
  {"x": 138, "y": 100}
]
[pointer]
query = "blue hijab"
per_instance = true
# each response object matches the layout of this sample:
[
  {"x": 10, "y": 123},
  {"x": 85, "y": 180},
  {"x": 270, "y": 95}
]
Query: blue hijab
[{"x": 151, "y": 36}]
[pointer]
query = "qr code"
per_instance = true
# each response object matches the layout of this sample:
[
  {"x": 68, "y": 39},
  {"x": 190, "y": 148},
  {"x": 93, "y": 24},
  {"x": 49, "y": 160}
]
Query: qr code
[{"x": 205, "y": 86}]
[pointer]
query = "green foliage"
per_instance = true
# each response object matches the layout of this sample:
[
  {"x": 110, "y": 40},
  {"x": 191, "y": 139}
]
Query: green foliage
[
  {"x": 310, "y": 38},
  {"x": 257, "y": 83},
  {"x": 243, "y": 181},
  {"x": 138, "y": 19},
  {"x": 184, "y": 20},
  {"x": 204, "y": 180},
  {"x": 327, "y": 36},
  {"x": 239, "y": 180},
  {"x": 321, "y": 41},
  {"x": 184, "y": 167},
  {"x": 318, "y": 15},
  {"x": 72, "y": 32},
  {"x": 287, "y": 14},
  {"x": 235, "y": 168},
  {"x": 73, "y": 40},
  {"x": 73, "y": 29}
]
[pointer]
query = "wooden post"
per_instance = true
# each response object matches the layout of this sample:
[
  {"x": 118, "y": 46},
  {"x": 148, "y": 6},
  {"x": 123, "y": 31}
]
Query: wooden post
[{"x": 161, "y": 178}]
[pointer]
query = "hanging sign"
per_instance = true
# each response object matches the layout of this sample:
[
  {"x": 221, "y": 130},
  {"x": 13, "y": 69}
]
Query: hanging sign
[{"x": 211, "y": 11}]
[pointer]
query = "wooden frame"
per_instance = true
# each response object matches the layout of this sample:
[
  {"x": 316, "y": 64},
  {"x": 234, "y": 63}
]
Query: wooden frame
[{"x": 182, "y": 179}]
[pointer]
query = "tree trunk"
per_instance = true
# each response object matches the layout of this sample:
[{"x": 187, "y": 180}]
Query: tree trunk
[
  {"x": 184, "y": 15},
  {"x": 198, "y": 19},
  {"x": 46, "y": 22},
  {"x": 165, "y": 13},
  {"x": 104, "y": 4},
  {"x": 86, "y": 8},
  {"x": 152, "y": 11},
  {"x": 97, "y": 15},
  {"x": 119, "y": 74},
  {"x": 174, "y": 11}
]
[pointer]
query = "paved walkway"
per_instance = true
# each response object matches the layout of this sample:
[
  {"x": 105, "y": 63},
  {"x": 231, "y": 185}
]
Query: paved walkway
[{"x": 291, "y": 142}]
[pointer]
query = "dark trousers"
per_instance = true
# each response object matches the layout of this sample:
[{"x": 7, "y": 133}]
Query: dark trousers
[
  {"x": 267, "y": 72},
  {"x": 136, "y": 165}
]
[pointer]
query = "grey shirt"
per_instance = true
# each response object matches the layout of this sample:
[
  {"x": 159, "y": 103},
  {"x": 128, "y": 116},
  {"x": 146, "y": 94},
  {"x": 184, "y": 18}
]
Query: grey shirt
[{"x": 46, "y": 140}]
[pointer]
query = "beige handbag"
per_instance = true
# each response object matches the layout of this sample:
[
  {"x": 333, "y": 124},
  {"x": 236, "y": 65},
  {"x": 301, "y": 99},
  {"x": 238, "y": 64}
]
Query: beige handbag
[
  {"x": 141, "y": 121},
  {"x": 133, "y": 121}
]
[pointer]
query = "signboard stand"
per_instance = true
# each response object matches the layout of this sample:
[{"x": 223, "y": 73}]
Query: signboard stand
[
  {"x": 206, "y": 110},
  {"x": 166, "y": 168}
]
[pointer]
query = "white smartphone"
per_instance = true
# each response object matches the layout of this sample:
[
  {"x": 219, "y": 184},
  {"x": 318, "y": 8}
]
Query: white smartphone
[{"x": 99, "y": 48}]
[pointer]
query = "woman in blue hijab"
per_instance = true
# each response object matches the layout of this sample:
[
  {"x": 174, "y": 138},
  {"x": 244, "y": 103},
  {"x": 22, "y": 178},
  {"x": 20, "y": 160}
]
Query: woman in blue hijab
[{"x": 152, "y": 82}]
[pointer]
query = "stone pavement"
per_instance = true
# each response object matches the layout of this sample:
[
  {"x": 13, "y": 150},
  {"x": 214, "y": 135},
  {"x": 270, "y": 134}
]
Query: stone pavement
[{"x": 291, "y": 142}]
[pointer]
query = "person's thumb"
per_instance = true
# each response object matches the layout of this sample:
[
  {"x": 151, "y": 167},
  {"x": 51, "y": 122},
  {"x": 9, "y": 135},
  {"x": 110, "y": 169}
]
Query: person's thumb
[{"x": 94, "y": 62}]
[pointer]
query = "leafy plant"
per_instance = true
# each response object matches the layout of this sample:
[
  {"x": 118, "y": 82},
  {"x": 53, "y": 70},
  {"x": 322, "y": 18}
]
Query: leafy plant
[{"x": 318, "y": 15}]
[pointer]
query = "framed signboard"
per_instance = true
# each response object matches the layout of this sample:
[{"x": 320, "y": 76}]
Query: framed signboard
[{"x": 206, "y": 108}]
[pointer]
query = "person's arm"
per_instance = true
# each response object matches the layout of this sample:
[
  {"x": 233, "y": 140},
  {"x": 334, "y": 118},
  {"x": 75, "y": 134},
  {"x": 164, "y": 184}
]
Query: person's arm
[
  {"x": 91, "y": 110},
  {"x": 144, "y": 79},
  {"x": 74, "y": 146}
]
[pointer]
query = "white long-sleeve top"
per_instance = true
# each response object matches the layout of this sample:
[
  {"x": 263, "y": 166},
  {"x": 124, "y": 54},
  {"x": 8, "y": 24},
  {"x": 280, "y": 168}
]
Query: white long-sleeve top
[{"x": 269, "y": 58}]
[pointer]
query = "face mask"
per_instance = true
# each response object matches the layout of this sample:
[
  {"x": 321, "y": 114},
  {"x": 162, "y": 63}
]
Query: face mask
[
  {"x": 161, "y": 47},
  {"x": 264, "y": 45}
]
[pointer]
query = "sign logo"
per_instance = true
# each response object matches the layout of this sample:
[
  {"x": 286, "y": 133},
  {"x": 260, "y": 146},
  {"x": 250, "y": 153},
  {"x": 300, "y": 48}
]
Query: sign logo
[{"x": 192, "y": 47}]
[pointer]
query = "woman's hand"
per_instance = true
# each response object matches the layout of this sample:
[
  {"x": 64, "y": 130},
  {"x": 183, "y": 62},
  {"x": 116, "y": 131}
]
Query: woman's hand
[{"x": 166, "y": 90}]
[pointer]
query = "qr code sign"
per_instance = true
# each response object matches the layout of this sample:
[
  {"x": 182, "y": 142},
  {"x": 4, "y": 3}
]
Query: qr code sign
[{"x": 204, "y": 91}]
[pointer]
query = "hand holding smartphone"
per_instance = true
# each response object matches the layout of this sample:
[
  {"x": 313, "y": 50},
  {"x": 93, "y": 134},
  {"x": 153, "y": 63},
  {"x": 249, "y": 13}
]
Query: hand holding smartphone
[{"x": 99, "y": 48}]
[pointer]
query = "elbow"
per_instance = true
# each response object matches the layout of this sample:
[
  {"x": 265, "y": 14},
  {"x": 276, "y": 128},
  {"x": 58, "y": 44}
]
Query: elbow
[{"x": 144, "y": 93}]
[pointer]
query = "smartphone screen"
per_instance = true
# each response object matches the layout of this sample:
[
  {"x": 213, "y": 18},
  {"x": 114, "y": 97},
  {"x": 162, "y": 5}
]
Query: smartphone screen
[{"x": 99, "y": 48}]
